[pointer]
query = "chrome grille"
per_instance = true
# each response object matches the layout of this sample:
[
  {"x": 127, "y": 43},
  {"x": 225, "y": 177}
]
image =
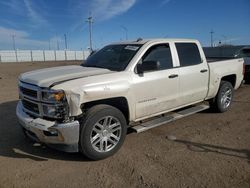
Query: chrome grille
[
  {"x": 33, "y": 104},
  {"x": 30, "y": 96},
  {"x": 30, "y": 106},
  {"x": 28, "y": 92}
]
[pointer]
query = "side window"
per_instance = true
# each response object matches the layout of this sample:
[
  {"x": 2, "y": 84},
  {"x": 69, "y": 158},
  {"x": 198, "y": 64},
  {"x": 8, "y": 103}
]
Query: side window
[
  {"x": 188, "y": 53},
  {"x": 160, "y": 53}
]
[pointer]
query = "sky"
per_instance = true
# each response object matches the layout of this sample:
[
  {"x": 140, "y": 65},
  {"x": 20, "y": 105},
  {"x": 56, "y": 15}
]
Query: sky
[{"x": 43, "y": 24}]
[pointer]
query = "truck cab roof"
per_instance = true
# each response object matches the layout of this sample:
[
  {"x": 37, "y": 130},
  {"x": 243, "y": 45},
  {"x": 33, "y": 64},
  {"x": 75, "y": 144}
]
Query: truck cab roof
[{"x": 144, "y": 41}]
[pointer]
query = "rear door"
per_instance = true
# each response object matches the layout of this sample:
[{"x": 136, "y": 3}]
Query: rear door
[{"x": 193, "y": 73}]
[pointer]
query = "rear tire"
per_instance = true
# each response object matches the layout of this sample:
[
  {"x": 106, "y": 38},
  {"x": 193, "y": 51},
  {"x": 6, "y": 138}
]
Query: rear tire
[
  {"x": 223, "y": 99},
  {"x": 103, "y": 132}
]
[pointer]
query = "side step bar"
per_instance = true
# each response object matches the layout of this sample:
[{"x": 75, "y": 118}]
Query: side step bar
[{"x": 172, "y": 116}]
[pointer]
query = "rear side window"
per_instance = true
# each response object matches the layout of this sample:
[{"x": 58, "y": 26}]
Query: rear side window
[
  {"x": 188, "y": 53},
  {"x": 160, "y": 53}
]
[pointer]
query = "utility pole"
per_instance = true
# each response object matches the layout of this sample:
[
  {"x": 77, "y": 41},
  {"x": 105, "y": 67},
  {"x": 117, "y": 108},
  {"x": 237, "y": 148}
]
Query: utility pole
[
  {"x": 49, "y": 44},
  {"x": 225, "y": 39},
  {"x": 65, "y": 40},
  {"x": 14, "y": 41},
  {"x": 212, "y": 39},
  {"x": 90, "y": 22},
  {"x": 57, "y": 43},
  {"x": 126, "y": 31},
  {"x": 14, "y": 45}
]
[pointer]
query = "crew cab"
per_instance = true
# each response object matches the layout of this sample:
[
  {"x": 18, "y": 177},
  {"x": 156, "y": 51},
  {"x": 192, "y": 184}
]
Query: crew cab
[{"x": 133, "y": 84}]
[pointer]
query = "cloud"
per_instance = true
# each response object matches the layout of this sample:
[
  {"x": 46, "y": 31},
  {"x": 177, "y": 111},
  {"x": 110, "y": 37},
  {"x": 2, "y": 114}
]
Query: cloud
[
  {"x": 22, "y": 39},
  {"x": 164, "y": 2},
  {"x": 100, "y": 10},
  {"x": 35, "y": 17},
  {"x": 15, "y": 5},
  {"x": 28, "y": 9},
  {"x": 107, "y": 9},
  {"x": 8, "y": 32}
]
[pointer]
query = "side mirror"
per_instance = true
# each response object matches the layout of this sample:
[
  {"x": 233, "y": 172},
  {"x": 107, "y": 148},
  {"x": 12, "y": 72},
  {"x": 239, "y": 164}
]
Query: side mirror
[
  {"x": 92, "y": 52},
  {"x": 146, "y": 66}
]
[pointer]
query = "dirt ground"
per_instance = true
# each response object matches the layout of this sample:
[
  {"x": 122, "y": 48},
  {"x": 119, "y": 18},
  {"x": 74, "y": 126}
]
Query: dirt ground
[{"x": 210, "y": 150}]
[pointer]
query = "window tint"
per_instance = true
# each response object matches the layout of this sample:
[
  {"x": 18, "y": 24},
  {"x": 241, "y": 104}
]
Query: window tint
[
  {"x": 188, "y": 53},
  {"x": 161, "y": 54}
]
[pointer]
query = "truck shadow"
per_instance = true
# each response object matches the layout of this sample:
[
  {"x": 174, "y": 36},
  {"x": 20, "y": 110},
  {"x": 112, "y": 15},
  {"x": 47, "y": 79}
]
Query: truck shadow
[
  {"x": 221, "y": 150},
  {"x": 15, "y": 145}
]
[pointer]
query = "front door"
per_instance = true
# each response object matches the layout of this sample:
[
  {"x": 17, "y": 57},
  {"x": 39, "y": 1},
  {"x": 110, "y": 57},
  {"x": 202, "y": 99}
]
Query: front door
[{"x": 158, "y": 90}]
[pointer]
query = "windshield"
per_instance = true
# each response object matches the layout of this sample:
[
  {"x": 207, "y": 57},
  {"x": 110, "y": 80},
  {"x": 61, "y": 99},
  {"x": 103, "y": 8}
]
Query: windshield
[{"x": 112, "y": 57}]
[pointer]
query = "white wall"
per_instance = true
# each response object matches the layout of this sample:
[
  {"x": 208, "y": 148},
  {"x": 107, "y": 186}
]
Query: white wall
[
  {"x": 41, "y": 55},
  {"x": 37, "y": 55},
  {"x": 8, "y": 56}
]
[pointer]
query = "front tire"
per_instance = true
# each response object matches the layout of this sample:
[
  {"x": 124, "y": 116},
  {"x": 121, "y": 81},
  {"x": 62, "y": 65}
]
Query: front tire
[
  {"x": 103, "y": 132},
  {"x": 223, "y": 100}
]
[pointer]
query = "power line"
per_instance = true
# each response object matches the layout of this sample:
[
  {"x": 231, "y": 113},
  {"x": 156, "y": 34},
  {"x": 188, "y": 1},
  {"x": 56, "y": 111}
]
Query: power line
[
  {"x": 90, "y": 22},
  {"x": 126, "y": 31}
]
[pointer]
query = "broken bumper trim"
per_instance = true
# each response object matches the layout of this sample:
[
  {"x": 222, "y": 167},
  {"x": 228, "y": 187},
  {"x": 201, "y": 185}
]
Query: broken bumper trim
[{"x": 61, "y": 136}]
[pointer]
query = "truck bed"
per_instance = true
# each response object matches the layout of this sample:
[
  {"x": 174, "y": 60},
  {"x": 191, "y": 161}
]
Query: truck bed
[
  {"x": 221, "y": 68},
  {"x": 216, "y": 59}
]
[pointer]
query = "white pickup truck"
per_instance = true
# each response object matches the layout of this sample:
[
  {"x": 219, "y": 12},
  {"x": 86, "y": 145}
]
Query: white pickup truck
[{"x": 137, "y": 84}]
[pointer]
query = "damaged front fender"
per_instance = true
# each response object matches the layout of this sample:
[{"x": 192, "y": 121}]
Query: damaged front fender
[{"x": 94, "y": 92}]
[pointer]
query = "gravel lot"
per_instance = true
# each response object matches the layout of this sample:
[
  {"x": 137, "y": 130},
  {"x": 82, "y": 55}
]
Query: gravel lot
[{"x": 210, "y": 150}]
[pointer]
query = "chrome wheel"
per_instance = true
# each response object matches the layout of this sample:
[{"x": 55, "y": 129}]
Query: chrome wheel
[
  {"x": 226, "y": 97},
  {"x": 106, "y": 134}
]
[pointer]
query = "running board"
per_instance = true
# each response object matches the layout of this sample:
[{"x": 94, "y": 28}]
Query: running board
[{"x": 172, "y": 116}]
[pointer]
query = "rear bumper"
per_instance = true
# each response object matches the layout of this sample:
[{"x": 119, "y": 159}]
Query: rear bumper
[{"x": 61, "y": 136}]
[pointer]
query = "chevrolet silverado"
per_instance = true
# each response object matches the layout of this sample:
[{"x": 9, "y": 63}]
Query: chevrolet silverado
[{"x": 133, "y": 84}]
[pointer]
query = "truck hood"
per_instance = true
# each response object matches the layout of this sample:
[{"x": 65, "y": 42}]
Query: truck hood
[{"x": 51, "y": 76}]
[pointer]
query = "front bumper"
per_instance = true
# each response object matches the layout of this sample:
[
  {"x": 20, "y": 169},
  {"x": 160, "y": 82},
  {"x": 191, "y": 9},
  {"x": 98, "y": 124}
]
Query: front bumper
[{"x": 61, "y": 136}]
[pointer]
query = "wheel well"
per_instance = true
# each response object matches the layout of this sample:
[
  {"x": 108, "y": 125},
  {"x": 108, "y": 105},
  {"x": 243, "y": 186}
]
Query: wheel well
[
  {"x": 120, "y": 103},
  {"x": 230, "y": 78}
]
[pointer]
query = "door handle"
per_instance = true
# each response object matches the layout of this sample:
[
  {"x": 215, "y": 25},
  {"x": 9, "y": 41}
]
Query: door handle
[
  {"x": 203, "y": 70},
  {"x": 173, "y": 76}
]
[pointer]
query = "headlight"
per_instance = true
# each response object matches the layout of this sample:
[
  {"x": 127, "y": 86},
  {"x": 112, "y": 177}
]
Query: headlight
[
  {"x": 53, "y": 95},
  {"x": 57, "y": 106},
  {"x": 55, "y": 111}
]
